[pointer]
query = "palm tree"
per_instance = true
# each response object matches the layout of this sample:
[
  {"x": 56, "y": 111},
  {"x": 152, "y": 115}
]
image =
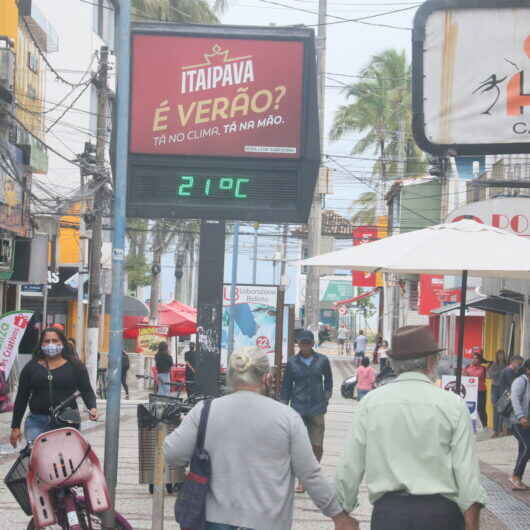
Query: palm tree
[
  {"x": 365, "y": 209},
  {"x": 381, "y": 111},
  {"x": 186, "y": 11}
]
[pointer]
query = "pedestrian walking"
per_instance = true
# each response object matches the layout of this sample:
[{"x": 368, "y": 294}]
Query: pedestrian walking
[
  {"x": 343, "y": 336},
  {"x": 365, "y": 378},
  {"x": 307, "y": 386},
  {"x": 190, "y": 360},
  {"x": 359, "y": 347},
  {"x": 494, "y": 373},
  {"x": 163, "y": 362},
  {"x": 520, "y": 396},
  {"x": 52, "y": 375},
  {"x": 476, "y": 369},
  {"x": 509, "y": 374},
  {"x": 125, "y": 365},
  {"x": 383, "y": 356},
  {"x": 415, "y": 479},
  {"x": 378, "y": 344},
  {"x": 255, "y": 462}
]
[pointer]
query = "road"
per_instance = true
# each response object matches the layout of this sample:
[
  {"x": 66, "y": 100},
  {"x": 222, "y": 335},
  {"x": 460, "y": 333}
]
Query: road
[{"x": 505, "y": 510}]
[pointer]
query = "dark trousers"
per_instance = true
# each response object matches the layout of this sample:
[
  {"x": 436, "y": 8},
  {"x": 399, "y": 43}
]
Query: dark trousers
[
  {"x": 497, "y": 418},
  {"x": 481, "y": 408},
  {"x": 416, "y": 512},
  {"x": 523, "y": 438},
  {"x": 124, "y": 381}
]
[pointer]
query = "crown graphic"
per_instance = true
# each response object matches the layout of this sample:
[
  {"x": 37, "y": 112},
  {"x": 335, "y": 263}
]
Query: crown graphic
[{"x": 216, "y": 54}]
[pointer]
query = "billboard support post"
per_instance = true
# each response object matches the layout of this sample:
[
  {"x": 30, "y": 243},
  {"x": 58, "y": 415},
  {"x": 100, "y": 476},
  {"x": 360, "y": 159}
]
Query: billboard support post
[
  {"x": 112, "y": 423},
  {"x": 235, "y": 259},
  {"x": 210, "y": 306}
]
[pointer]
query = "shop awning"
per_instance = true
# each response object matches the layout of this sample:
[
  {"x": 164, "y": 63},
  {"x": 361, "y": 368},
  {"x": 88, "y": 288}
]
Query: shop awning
[
  {"x": 355, "y": 298},
  {"x": 493, "y": 304}
]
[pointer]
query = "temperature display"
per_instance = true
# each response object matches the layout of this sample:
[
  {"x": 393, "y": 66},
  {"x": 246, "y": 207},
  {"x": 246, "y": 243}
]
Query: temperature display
[{"x": 236, "y": 188}]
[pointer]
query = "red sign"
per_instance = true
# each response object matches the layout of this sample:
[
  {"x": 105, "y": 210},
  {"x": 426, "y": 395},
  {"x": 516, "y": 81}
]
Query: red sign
[
  {"x": 362, "y": 235},
  {"x": 431, "y": 293},
  {"x": 207, "y": 96}
]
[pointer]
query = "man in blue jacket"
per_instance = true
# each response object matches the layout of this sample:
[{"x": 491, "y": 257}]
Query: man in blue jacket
[{"x": 307, "y": 387}]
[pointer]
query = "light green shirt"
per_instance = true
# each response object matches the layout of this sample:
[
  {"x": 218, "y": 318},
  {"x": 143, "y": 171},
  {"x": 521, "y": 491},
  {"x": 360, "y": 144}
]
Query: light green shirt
[{"x": 411, "y": 436}]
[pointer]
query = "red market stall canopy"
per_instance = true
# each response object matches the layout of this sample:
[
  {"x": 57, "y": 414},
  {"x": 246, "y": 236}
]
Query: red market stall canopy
[
  {"x": 175, "y": 319},
  {"x": 180, "y": 318}
]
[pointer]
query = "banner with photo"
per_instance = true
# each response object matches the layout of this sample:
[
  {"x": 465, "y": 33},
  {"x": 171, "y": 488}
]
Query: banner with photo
[{"x": 255, "y": 310}]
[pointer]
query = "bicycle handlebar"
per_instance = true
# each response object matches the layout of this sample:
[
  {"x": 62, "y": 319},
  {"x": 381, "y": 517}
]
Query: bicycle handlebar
[{"x": 64, "y": 403}]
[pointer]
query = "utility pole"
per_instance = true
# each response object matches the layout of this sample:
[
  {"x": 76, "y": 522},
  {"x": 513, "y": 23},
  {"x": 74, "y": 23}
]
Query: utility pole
[
  {"x": 94, "y": 296},
  {"x": 314, "y": 229}
]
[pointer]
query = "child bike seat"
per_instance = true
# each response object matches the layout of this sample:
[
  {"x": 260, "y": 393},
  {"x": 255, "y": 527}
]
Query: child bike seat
[{"x": 59, "y": 459}]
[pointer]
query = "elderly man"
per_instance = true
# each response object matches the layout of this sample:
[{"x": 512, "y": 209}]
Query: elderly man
[
  {"x": 256, "y": 459},
  {"x": 413, "y": 444}
]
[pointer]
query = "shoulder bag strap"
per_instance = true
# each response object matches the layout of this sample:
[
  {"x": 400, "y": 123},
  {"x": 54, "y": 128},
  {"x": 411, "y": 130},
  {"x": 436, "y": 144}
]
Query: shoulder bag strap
[
  {"x": 50, "y": 388},
  {"x": 201, "y": 434}
]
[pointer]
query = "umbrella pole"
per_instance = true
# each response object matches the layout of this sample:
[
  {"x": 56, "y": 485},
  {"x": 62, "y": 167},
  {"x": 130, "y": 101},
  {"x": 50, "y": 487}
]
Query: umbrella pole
[{"x": 461, "y": 332}]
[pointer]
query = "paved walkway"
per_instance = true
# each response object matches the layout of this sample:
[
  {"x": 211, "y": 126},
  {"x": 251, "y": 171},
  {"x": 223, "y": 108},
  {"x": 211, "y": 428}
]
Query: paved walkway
[{"x": 506, "y": 511}]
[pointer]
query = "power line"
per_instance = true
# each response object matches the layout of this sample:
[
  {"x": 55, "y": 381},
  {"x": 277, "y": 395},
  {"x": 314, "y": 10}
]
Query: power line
[
  {"x": 62, "y": 115},
  {"x": 45, "y": 59}
]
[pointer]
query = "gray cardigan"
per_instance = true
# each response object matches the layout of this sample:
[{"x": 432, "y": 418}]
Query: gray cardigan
[
  {"x": 257, "y": 447},
  {"x": 520, "y": 395}
]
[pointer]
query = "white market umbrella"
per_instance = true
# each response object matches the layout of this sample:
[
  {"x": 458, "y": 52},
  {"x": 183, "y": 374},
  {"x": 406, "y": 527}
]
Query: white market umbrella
[{"x": 452, "y": 249}]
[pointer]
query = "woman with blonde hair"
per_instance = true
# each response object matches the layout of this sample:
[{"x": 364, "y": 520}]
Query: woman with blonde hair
[{"x": 257, "y": 448}]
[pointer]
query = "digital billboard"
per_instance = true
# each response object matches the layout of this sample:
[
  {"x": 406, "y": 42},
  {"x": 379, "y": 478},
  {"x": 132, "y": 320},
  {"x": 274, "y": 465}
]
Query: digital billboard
[{"x": 223, "y": 122}]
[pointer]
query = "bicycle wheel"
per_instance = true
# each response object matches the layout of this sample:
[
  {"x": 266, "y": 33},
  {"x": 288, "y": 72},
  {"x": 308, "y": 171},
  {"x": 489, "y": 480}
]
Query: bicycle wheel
[{"x": 87, "y": 521}]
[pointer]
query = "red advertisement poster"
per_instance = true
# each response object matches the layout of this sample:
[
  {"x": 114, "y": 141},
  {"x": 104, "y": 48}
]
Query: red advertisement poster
[
  {"x": 362, "y": 235},
  {"x": 431, "y": 293},
  {"x": 216, "y": 97}
]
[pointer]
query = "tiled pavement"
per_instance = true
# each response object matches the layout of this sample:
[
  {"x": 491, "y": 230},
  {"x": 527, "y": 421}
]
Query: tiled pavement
[{"x": 506, "y": 511}]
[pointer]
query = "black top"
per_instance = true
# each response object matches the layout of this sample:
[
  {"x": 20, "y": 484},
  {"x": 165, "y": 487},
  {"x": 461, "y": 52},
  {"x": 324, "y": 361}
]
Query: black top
[
  {"x": 190, "y": 358},
  {"x": 33, "y": 387},
  {"x": 163, "y": 362},
  {"x": 507, "y": 377}
]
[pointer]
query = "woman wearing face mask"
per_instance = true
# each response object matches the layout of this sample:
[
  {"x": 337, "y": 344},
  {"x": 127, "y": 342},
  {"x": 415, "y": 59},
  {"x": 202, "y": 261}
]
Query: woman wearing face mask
[{"x": 53, "y": 361}]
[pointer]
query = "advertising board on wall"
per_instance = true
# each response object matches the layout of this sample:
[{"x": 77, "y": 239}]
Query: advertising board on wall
[
  {"x": 468, "y": 392},
  {"x": 483, "y": 109},
  {"x": 508, "y": 213},
  {"x": 224, "y": 122},
  {"x": 255, "y": 310}
]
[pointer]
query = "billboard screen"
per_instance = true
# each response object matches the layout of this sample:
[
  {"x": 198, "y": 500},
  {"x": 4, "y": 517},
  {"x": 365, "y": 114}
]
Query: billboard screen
[
  {"x": 224, "y": 122},
  {"x": 470, "y": 93},
  {"x": 219, "y": 97}
]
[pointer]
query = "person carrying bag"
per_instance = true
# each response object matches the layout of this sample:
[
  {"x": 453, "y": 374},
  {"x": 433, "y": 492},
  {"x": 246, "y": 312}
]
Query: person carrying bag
[{"x": 190, "y": 506}]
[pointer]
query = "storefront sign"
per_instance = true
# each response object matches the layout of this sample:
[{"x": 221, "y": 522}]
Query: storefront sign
[
  {"x": 255, "y": 311},
  {"x": 222, "y": 119},
  {"x": 469, "y": 90},
  {"x": 468, "y": 392},
  {"x": 362, "y": 235},
  {"x": 431, "y": 291},
  {"x": 509, "y": 213},
  {"x": 149, "y": 338}
]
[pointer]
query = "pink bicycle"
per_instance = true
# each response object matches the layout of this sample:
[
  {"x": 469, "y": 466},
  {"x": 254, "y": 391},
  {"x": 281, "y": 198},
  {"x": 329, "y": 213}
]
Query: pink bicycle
[{"x": 58, "y": 479}]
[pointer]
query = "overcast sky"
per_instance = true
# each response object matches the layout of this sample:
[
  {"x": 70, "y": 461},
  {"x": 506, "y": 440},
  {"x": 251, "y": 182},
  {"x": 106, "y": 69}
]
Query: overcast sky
[{"x": 349, "y": 48}]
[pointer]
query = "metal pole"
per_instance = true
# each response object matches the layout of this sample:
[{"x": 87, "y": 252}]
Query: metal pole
[
  {"x": 112, "y": 423},
  {"x": 255, "y": 259},
  {"x": 462, "y": 324},
  {"x": 79, "y": 328},
  {"x": 312, "y": 304},
  {"x": 235, "y": 259},
  {"x": 44, "y": 306}
]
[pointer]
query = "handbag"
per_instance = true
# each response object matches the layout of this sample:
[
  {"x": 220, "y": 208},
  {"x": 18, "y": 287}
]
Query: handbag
[
  {"x": 190, "y": 506},
  {"x": 504, "y": 404}
]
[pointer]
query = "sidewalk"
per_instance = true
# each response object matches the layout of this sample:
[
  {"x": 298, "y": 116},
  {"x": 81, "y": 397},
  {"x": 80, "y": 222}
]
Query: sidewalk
[{"x": 505, "y": 511}]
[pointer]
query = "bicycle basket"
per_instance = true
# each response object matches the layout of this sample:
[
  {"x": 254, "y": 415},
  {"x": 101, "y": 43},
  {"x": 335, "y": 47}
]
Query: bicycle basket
[{"x": 15, "y": 481}]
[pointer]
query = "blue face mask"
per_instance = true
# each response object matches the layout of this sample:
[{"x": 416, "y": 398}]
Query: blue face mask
[{"x": 51, "y": 350}]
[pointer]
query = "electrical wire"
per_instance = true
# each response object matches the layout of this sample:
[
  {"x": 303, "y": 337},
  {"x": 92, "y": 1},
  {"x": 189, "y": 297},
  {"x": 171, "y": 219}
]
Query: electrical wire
[{"x": 74, "y": 101}]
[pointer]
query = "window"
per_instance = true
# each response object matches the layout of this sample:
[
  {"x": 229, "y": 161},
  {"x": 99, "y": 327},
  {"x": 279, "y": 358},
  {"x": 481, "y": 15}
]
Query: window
[
  {"x": 32, "y": 92},
  {"x": 33, "y": 62}
]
